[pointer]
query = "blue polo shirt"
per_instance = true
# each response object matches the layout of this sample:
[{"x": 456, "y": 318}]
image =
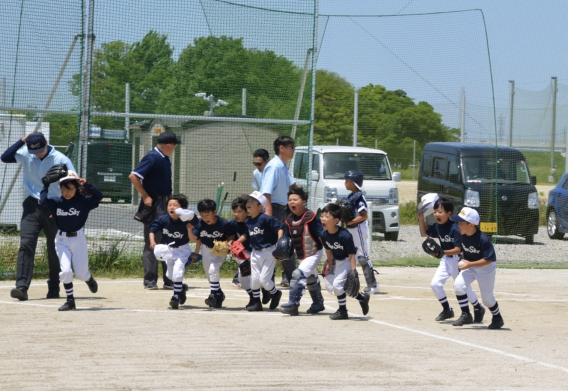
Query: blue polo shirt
[
  {"x": 155, "y": 171},
  {"x": 276, "y": 181},
  {"x": 256, "y": 179},
  {"x": 34, "y": 168}
]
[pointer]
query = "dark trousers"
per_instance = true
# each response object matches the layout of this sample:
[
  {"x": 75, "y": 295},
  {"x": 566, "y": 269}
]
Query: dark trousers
[
  {"x": 34, "y": 219},
  {"x": 281, "y": 213},
  {"x": 149, "y": 261}
]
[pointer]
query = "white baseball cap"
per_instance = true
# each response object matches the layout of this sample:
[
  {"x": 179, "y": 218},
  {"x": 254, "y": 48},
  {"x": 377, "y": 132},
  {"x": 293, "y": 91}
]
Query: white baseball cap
[
  {"x": 467, "y": 214},
  {"x": 71, "y": 176},
  {"x": 428, "y": 201},
  {"x": 257, "y": 195}
]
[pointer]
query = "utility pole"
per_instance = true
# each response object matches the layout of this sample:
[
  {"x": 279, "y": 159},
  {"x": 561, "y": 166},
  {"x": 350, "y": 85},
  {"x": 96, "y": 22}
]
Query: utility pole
[
  {"x": 355, "y": 118},
  {"x": 511, "y": 113},
  {"x": 554, "y": 91},
  {"x": 462, "y": 115}
]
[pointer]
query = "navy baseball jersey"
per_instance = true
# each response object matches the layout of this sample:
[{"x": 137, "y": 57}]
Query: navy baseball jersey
[
  {"x": 172, "y": 230},
  {"x": 478, "y": 246},
  {"x": 240, "y": 229},
  {"x": 358, "y": 202},
  {"x": 340, "y": 243},
  {"x": 71, "y": 215},
  {"x": 448, "y": 233},
  {"x": 155, "y": 170},
  {"x": 262, "y": 231},
  {"x": 221, "y": 230}
]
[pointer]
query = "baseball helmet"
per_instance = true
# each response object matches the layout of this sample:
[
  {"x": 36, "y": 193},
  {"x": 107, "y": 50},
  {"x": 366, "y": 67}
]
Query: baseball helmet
[
  {"x": 284, "y": 249},
  {"x": 355, "y": 176}
]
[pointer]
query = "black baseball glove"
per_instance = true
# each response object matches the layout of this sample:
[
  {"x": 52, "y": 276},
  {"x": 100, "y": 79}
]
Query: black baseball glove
[
  {"x": 431, "y": 247},
  {"x": 351, "y": 286},
  {"x": 54, "y": 174},
  {"x": 346, "y": 210}
]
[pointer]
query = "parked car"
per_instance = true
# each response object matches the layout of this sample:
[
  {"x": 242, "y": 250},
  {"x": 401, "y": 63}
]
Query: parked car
[
  {"x": 329, "y": 164},
  {"x": 495, "y": 181},
  {"x": 557, "y": 209}
]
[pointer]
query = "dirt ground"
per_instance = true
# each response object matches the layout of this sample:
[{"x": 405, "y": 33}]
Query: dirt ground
[{"x": 126, "y": 338}]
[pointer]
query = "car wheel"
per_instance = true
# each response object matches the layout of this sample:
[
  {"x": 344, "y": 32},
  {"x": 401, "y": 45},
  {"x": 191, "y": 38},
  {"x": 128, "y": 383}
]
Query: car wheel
[
  {"x": 529, "y": 239},
  {"x": 552, "y": 226},
  {"x": 391, "y": 236}
]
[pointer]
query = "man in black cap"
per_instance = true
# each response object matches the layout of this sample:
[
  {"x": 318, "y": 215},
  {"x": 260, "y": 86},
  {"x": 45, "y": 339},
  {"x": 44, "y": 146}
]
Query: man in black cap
[
  {"x": 36, "y": 159},
  {"x": 152, "y": 178}
]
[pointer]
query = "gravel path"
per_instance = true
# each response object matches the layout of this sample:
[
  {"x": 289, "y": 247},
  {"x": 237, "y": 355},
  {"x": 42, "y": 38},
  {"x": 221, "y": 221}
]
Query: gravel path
[{"x": 509, "y": 249}]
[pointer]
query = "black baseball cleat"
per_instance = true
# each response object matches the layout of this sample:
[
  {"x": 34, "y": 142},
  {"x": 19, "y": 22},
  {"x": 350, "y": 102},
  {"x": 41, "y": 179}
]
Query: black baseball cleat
[
  {"x": 210, "y": 301},
  {"x": 365, "y": 303},
  {"x": 266, "y": 296},
  {"x": 316, "y": 307},
  {"x": 445, "y": 314},
  {"x": 251, "y": 301},
  {"x": 496, "y": 323},
  {"x": 275, "y": 300},
  {"x": 68, "y": 306},
  {"x": 219, "y": 298},
  {"x": 478, "y": 314},
  {"x": 256, "y": 306},
  {"x": 464, "y": 318},
  {"x": 182, "y": 295},
  {"x": 19, "y": 293},
  {"x": 338, "y": 315},
  {"x": 174, "y": 302},
  {"x": 290, "y": 309},
  {"x": 93, "y": 286}
]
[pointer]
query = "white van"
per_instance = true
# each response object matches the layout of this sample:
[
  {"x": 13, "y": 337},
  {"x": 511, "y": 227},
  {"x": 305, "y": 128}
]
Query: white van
[{"x": 329, "y": 165}]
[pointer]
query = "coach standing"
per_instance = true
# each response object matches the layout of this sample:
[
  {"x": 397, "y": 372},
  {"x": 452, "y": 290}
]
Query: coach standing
[
  {"x": 276, "y": 182},
  {"x": 152, "y": 178},
  {"x": 36, "y": 159}
]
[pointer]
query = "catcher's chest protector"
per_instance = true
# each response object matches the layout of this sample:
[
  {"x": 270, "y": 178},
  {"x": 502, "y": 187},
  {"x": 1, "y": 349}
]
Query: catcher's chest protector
[{"x": 302, "y": 240}]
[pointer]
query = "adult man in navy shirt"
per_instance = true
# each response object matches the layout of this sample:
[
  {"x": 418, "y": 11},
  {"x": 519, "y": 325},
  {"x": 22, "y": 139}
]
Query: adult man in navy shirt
[
  {"x": 152, "y": 178},
  {"x": 36, "y": 159}
]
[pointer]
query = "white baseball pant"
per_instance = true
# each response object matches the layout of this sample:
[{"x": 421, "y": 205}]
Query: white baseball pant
[
  {"x": 72, "y": 251},
  {"x": 211, "y": 264},
  {"x": 262, "y": 264},
  {"x": 176, "y": 262},
  {"x": 447, "y": 268},
  {"x": 485, "y": 276},
  {"x": 360, "y": 237},
  {"x": 335, "y": 280}
]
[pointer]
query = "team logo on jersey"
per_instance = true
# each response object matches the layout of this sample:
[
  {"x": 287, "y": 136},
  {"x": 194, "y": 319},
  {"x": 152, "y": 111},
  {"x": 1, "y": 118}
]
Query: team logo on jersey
[
  {"x": 446, "y": 239},
  {"x": 256, "y": 231},
  {"x": 175, "y": 235},
  {"x": 71, "y": 212},
  {"x": 334, "y": 246},
  {"x": 472, "y": 250},
  {"x": 214, "y": 234}
]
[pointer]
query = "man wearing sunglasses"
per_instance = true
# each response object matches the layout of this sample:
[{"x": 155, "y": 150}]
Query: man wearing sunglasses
[{"x": 259, "y": 160}]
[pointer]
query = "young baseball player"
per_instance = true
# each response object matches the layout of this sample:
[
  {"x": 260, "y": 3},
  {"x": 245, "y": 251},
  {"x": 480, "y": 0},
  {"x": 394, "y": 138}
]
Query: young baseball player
[
  {"x": 358, "y": 227},
  {"x": 339, "y": 246},
  {"x": 448, "y": 233},
  {"x": 240, "y": 215},
  {"x": 70, "y": 212},
  {"x": 305, "y": 229},
  {"x": 174, "y": 248},
  {"x": 263, "y": 232},
  {"x": 209, "y": 228},
  {"x": 479, "y": 262}
]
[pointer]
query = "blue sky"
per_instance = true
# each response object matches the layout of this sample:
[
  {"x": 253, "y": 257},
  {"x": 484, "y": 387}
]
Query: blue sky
[{"x": 431, "y": 57}]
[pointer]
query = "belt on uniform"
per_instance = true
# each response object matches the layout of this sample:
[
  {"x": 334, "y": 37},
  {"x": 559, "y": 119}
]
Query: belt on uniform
[
  {"x": 283, "y": 207},
  {"x": 159, "y": 197},
  {"x": 68, "y": 234}
]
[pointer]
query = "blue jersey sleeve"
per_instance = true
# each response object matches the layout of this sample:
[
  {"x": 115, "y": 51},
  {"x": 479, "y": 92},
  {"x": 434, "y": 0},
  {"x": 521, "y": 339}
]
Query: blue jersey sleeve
[
  {"x": 487, "y": 249},
  {"x": 156, "y": 225}
]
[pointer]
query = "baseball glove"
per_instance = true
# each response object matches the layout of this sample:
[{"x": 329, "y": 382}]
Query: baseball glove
[
  {"x": 245, "y": 268},
  {"x": 193, "y": 258},
  {"x": 220, "y": 248},
  {"x": 346, "y": 210},
  {"x": 238, "y": 251},
  {"x": 431, "y": 247},
  {"x": 351, "y": 286},
  {"x": 54, "y": 174}
]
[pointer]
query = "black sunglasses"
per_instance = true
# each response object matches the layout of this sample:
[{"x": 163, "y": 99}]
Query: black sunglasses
[{"x": 257, "y": 164}]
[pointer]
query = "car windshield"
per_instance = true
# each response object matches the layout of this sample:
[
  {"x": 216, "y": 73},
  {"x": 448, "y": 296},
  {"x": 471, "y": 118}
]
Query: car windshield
[
  {"x": 505, "y": 171},
  {"x": 373, "y": 165}
]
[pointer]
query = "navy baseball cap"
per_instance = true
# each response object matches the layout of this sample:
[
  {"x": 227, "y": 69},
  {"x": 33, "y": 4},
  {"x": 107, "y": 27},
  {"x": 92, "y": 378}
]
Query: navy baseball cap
[
  {"x": 36, "y": 143},
  {"x": 167, "y": 138}
]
